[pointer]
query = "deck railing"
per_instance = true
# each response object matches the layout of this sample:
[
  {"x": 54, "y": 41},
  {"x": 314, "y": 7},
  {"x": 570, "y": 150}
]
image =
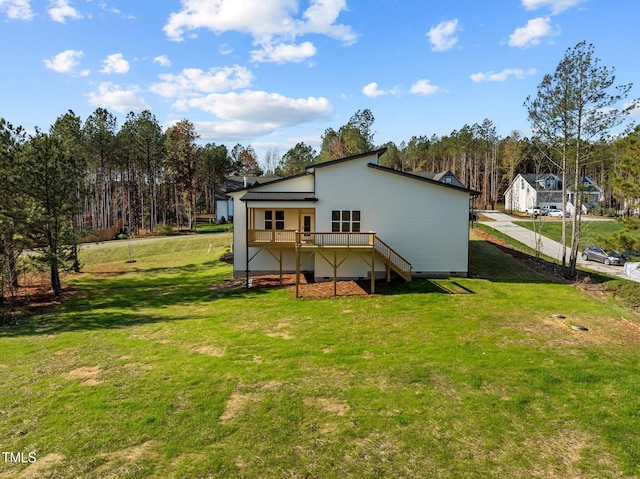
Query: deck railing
[
  {"x": 343, "y": 240},
  {"x": 357, "y": 240},
  {"x": 272, "y": 236}
]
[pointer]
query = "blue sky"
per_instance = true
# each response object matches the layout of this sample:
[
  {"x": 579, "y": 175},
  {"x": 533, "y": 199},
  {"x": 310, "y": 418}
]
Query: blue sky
[{"x": 272, "y": 73}]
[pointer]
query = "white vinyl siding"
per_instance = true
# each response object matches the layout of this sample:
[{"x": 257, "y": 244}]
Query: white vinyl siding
[{"x": 427, "y": 224}]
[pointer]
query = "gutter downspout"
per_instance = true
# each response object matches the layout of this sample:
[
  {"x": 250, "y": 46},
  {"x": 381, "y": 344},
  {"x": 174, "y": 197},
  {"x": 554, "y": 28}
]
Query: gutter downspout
[{"x": 246, "y": 241}]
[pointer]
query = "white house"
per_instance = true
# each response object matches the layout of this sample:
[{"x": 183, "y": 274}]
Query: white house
[
  {"x": 545, "y": 191},
  {"x": 352, "y": 219}
]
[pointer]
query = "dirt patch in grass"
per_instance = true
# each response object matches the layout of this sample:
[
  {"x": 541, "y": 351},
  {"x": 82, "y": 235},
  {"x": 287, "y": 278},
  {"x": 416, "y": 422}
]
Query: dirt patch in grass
[
  {"x": 121, "y": 463},
  {"x": 632, "y": 329},
  {"x": 562, "y": 452},
  {"x": 279, "y": 331},
  {"x": 209, "y": 350},
  {"x": 330, "y": 405},
  {"x": 38, "y": 468},
  {"x": 131, "y": 453},
  {"x": 235, "y": 405},
  {"x": 89, "y": 374},
  {"x": 64, "y": 351}
]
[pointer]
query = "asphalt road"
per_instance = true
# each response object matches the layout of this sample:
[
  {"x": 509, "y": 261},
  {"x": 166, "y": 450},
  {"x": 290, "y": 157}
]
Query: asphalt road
[{"x": 504, "y": 223}]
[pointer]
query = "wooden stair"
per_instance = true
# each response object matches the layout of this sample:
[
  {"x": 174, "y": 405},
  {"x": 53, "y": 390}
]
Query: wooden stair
[{"x": 392, "y": 258}]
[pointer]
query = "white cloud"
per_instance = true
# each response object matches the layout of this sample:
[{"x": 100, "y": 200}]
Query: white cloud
[
  {"x": 162, "y": 60},
  {"x": 273, "y": 24},
  {"x": 284, "y": 53},
  {"x": 443, "y": 36},
  {"x": 114, "y": 10},
  {"x": 60, "y": 10},
  {"x": 262, "y": 107},
  {"x": 114, "y": 97},
  {"x": 231, "y": 131},
  {"x": 193, "y": 81},
  {"x": 17, "y": 9},
  {"x": 115, "y": 63},
  {"x": 321, "y": 16},
  {"x": 256, "y": 17},
  {"x": 556, "y": 6},
  {"x": 251, "y": 114},
  {"x": 533, "y": 33},
  {"x": 503, "y": 75},
  {"x": 424, "y": 87},
  {"x": 372, "y": 90},
  {"x": 64, "y": 62}
]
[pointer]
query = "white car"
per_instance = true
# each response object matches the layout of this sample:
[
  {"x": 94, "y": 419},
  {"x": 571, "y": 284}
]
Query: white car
[
  {"x": 558, "y": 214},
  {"x": 533, "y": 211}
]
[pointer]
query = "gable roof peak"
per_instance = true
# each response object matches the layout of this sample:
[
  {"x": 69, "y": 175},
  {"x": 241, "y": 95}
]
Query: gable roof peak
[{"x": 378, "y": 153}]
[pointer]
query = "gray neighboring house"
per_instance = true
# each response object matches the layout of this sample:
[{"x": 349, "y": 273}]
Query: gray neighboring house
[
  {"x": 529, "y": 190},
  {"x": 224, "y": 202},
  {"x": 446, "y": 177}
]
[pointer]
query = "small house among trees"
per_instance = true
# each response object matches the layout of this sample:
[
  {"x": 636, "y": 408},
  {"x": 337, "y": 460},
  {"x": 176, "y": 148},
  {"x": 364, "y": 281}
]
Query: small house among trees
[{"x": 545, "y": 190}]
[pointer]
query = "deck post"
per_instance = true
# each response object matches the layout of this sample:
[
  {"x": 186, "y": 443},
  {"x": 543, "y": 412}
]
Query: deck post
[
  {"x": 297, "y": 268},
  {"x": 335, "y": 273},
  {"x": 373, "y": 271}
]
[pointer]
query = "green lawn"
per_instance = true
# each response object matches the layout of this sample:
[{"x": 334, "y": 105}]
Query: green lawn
[
  {"x": 154, "y": 369},
  {"x": 592, "y": 232},
  {"x": 213, "y": 228}
]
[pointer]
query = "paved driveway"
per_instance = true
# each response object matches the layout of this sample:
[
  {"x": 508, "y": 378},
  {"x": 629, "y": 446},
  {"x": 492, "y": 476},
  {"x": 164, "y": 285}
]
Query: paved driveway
[{"x": 504, "y": 223}]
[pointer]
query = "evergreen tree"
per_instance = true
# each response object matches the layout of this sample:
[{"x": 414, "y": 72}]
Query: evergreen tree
[
  {"x": 296, "y": 160},
  {"x": 574, "y": 107}
]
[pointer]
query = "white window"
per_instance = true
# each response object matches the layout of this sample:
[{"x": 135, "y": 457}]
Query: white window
[
  {"x": 274, "y": 220},
  {"x": 345, "y": 221}
]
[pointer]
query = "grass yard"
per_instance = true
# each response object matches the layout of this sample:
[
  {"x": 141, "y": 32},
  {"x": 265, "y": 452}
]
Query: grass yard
[
  {"x": 591, "y": 232},
  {"x": 155, "y": 369}
]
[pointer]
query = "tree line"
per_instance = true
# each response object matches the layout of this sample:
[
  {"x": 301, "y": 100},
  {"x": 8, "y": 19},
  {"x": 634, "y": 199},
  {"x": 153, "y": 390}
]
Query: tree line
[
  {"x": 58, "y": 186},
  {"x": 93, "y": 175}
]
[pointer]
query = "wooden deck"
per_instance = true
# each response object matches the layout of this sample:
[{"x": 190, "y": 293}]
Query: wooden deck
[{"x": 324, "y": 241}]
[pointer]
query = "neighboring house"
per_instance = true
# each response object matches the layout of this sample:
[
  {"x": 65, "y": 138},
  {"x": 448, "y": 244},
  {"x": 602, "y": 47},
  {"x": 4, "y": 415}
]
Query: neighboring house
[
  {"x": 545, "y": 190},
  {"x": 224, "y": 202},
  {"x": 352, "y": 219},
  {"x": 444, "y": 177}
]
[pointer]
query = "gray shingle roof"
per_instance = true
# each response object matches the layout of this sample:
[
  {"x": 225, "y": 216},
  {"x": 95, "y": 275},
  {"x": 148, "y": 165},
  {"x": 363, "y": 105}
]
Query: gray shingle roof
[{"x": 278, "y": 196}]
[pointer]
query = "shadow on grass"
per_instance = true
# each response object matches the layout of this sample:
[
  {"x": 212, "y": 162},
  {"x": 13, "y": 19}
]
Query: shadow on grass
[
  {"x": 421, "y": 286},
  {"x": 107, "y": 300},
  {"x": 114, "y": 300},
  {"x": 500, "y": 264}
]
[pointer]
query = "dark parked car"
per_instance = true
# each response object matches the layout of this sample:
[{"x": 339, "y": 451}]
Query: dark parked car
[{"x": 597, "y": 253}]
